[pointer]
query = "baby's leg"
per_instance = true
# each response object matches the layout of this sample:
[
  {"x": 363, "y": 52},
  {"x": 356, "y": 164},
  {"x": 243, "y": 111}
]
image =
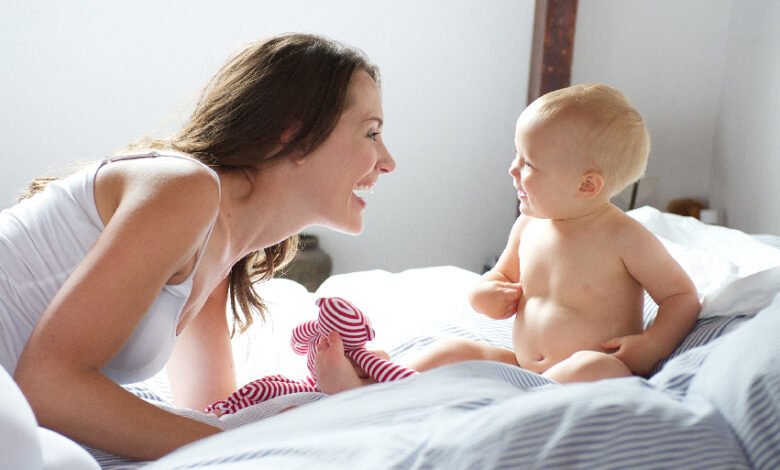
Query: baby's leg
[
  {"x": 587, "y": 366},
  {"x": 453, "y": 350}
]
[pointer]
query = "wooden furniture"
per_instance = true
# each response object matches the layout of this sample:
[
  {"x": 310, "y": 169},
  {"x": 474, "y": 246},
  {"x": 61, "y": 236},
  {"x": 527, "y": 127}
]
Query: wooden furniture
[{"x": 552, "y": 46}]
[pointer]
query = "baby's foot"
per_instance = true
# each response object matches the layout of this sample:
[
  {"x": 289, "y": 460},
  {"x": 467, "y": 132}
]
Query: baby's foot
[{"x": 334, "y": 371}]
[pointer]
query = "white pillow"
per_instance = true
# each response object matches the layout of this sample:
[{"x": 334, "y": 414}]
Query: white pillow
[
  {"x": 25, "y": 444},
  {"x": 19, "y": 446},
  {"x": 61, "y": 453},
  {"x": 741, "y": 378}
]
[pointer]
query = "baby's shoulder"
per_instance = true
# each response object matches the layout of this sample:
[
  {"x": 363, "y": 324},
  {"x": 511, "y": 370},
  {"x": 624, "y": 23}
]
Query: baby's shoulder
[
  {"x": 616, "y": 219},
  {"x": 626, "y": 234},
  {"x": 629, "y": 225}
]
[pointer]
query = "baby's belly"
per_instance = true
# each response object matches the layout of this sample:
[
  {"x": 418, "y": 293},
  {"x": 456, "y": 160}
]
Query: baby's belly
[{"x": 545, "y": 332}]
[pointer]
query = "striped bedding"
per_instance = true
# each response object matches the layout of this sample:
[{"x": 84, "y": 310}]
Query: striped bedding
[
  {"x": 714, "y": 403},
  {"x": 725, "y": 415}
]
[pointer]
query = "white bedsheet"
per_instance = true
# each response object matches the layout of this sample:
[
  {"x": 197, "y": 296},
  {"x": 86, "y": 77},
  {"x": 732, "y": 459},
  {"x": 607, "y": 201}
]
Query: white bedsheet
[
  {"x": 707, "y": 247},
  {"x": 714, "y": 407},
  {"x": 477, "y": 415}
]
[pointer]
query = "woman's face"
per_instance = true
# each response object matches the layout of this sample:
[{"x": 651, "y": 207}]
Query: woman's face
[{"x": 350, "y": 160}]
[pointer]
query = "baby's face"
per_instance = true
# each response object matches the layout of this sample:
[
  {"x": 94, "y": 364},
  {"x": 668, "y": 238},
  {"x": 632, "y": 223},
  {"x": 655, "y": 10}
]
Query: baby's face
[{"x": 545, "y": 170}]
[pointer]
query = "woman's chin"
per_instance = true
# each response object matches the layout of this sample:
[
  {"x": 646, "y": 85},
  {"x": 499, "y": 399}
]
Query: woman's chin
[
  {"x": 351, "y": 227},
  {"x": 354, "y": 229}
]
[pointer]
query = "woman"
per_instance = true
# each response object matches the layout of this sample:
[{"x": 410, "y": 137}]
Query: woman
[{"x": 108, "y": 269}]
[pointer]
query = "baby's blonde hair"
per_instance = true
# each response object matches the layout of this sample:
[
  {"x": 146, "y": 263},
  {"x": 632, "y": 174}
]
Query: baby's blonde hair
[{"x": 611, "y": 136}]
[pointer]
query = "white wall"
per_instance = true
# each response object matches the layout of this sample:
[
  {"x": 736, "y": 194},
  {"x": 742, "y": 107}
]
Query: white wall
[
  {"x": 746, "y": 165},
  {"x": 80, "y": 79},
  {"x": 667, "y": 57},
  {"x": 706, "y": 76}
]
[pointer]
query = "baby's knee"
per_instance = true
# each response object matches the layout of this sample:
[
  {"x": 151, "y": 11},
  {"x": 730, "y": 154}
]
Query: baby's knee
[
  {"x": 600, "y": 364},
  {"x": 587, "y": 366},
  {"x": 588, "y": 358}
]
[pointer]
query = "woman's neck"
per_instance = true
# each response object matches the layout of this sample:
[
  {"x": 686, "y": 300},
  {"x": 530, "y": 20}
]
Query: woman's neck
[{"x": 256, "y": 211}]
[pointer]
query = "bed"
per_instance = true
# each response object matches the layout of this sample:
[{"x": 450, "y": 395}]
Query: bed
[{"x": 715, "y": 403}]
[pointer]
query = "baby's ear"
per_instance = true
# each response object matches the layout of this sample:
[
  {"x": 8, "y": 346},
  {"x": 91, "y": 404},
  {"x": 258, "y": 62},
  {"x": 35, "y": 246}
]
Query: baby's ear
[{"x": 591, "y": 185}]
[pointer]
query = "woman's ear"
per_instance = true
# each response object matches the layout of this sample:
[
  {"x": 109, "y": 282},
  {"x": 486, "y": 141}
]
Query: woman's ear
[
  {"x": 290, "y": 132},
  {"x": 591, "y": 185},
  {"x": 287, "y": 136},
  {"x": 298, "y": 156}
]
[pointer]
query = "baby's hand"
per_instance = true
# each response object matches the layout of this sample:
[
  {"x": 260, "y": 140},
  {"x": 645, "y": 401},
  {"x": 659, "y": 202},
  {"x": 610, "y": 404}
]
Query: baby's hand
[
  {"x": 496, "y": 299},
  {"x": 636, "y": 351}
]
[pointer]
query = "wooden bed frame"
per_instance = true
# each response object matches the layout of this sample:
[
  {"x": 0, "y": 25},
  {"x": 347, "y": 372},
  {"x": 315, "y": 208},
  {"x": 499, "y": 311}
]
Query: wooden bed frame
[{"x": 552, "y": 46}]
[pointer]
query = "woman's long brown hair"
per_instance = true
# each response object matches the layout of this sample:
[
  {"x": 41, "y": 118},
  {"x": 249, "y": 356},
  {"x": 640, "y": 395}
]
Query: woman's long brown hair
[{"x": 290, "y": 81}]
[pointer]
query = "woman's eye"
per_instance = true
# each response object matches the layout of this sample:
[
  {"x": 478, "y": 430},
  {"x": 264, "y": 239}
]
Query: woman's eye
[{"x": 373, "y": 135}]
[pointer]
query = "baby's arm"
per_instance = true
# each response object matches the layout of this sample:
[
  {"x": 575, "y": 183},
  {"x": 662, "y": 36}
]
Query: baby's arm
[
  {"x": 668, "y": 284},
  {"x": 498, "y": 293}
]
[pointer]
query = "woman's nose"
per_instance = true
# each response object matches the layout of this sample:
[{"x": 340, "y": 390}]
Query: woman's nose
[{"x": 386, "y": 162}]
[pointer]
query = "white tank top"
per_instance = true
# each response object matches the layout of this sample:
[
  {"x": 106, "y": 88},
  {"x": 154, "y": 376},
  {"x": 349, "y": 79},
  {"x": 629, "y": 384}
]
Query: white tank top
[{"x": 42, "y": 240}]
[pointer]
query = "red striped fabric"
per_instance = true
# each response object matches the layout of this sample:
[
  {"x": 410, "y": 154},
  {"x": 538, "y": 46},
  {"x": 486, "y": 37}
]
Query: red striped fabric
[
  {"x": 259, "y": 391},
  {"x": 336, "y": 314}
]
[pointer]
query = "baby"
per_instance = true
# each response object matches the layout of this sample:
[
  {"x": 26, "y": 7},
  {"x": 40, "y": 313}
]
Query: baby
[{"x": 575, "y": 266}]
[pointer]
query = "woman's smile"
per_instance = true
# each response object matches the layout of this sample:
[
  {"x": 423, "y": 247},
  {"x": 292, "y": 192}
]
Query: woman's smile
[{"x": 362, "y": 189}]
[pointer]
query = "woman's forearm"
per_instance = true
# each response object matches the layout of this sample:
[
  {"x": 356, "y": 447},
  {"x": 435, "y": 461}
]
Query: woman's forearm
[{"x": 93, "y": 410}]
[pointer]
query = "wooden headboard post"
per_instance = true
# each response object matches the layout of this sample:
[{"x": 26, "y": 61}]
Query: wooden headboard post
[{"x": 552, "y": 46}]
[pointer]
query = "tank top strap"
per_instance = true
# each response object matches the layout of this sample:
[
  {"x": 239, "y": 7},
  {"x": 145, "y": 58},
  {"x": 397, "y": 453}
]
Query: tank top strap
[{"x": 157, "y": 154}]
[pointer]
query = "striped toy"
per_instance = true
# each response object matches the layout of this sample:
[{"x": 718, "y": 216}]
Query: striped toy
[{"x": 336, "y": 314}]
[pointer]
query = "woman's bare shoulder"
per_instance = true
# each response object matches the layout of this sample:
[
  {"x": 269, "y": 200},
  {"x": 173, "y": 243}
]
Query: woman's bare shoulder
[{"x": 157, "y": 185}]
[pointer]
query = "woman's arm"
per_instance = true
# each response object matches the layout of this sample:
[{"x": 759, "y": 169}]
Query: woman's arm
[
  {"x": 156, "y": 229},
  {"x": 201, "y": 369}
]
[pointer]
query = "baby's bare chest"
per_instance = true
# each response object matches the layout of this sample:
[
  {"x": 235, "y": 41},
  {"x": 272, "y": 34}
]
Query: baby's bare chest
[{"x": 552, "y": 265}]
